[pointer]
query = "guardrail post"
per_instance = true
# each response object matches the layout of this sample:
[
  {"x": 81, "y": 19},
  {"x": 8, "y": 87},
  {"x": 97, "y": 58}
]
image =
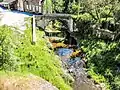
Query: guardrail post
[
  {"x": 33, "y": 30},
  {"x": 71, "y": 24}
]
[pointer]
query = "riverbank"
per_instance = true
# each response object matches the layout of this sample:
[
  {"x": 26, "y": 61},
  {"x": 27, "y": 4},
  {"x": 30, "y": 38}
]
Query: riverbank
[
  {"x": 73, "y": 62},
  {"x": 21, "y": 56}
]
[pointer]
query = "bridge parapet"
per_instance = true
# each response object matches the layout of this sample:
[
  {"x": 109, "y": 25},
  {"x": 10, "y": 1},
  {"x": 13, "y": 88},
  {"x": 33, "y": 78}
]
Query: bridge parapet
[{"x": 43, "y": 20}]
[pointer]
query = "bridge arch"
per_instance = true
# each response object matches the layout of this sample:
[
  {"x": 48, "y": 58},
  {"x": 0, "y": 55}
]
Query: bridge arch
[{"x": 43, "y": 20}]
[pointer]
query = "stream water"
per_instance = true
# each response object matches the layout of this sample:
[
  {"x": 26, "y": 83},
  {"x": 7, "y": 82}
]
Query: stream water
[
  {"x": 65, "y": 54},
  {"x": 75, "y": 66}
]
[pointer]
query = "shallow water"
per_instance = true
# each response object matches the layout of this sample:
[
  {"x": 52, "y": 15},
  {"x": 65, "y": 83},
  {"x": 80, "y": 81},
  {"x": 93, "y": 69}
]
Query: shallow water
[
  {"x": 75, "y": 66},
  {"x": 64, "y": 51},
  {"x": 65, "y": 54}
]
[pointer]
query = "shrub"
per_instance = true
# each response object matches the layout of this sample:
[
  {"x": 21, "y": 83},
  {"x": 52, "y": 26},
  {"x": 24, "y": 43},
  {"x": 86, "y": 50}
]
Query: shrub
[
  {"x": 7, "y": 57},
  {"x": 102, "y": 60}
]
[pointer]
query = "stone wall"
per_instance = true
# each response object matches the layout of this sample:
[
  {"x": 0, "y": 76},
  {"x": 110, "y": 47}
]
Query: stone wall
[{"x": 86, "y": 29}]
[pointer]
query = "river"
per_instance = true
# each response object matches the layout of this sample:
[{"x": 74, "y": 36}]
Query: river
[{"x": 76, "y": 68}]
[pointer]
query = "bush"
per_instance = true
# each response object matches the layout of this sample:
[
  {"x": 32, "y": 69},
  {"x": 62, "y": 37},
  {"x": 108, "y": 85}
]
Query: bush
[
  {"x": 102, "y": 60},
  {"x": 84, "y": 17},
  {"x": 7, "y": 57}
]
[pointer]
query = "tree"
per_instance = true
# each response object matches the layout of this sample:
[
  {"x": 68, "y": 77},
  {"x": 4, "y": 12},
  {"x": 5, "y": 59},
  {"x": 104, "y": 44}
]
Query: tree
[
  {"x": 101, "y": 8},
  {"x": 48, "y": 7},
  {"x": 58, "y": 5}
]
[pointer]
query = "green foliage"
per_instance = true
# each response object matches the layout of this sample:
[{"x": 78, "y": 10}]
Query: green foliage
[
  {"x": 47, "y": 7},
  {"x": 84, "y": 17},
  {"x": 73, "y": 7},
  {"x": 98, "y": 78},
  {"x": 17, "y": 54},
  {"x": 102, "y": 60},
  {"x": 39, "y": 60},
  {"x": 97, "y": 9},
  {"x": 58, "y": 5},
  {"x": 100, "y": 8},
  {"x": 102, "y": 56},
  {"x": 116, "y": 82},
  {"x": 7, "y": 57}
]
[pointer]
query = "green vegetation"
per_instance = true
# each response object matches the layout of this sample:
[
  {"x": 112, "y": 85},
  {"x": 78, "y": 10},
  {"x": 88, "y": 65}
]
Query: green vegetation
[
  {"x": 7, "y": 57},
  {"x": 17, "y": 54},
  {"x": 98, "y": 11},
  {"x": 103, "y": 58},
  {"x": 103, "y": 55},
  {"x": 47, "y": 6},
  {"x": 58, "y": 5}
]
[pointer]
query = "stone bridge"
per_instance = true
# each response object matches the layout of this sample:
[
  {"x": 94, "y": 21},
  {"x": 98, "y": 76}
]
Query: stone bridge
[{"x": 43, "y": 20}]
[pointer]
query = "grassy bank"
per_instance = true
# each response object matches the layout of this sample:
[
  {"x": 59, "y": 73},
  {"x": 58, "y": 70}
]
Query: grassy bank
[{"x": 19, "y": 55}]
